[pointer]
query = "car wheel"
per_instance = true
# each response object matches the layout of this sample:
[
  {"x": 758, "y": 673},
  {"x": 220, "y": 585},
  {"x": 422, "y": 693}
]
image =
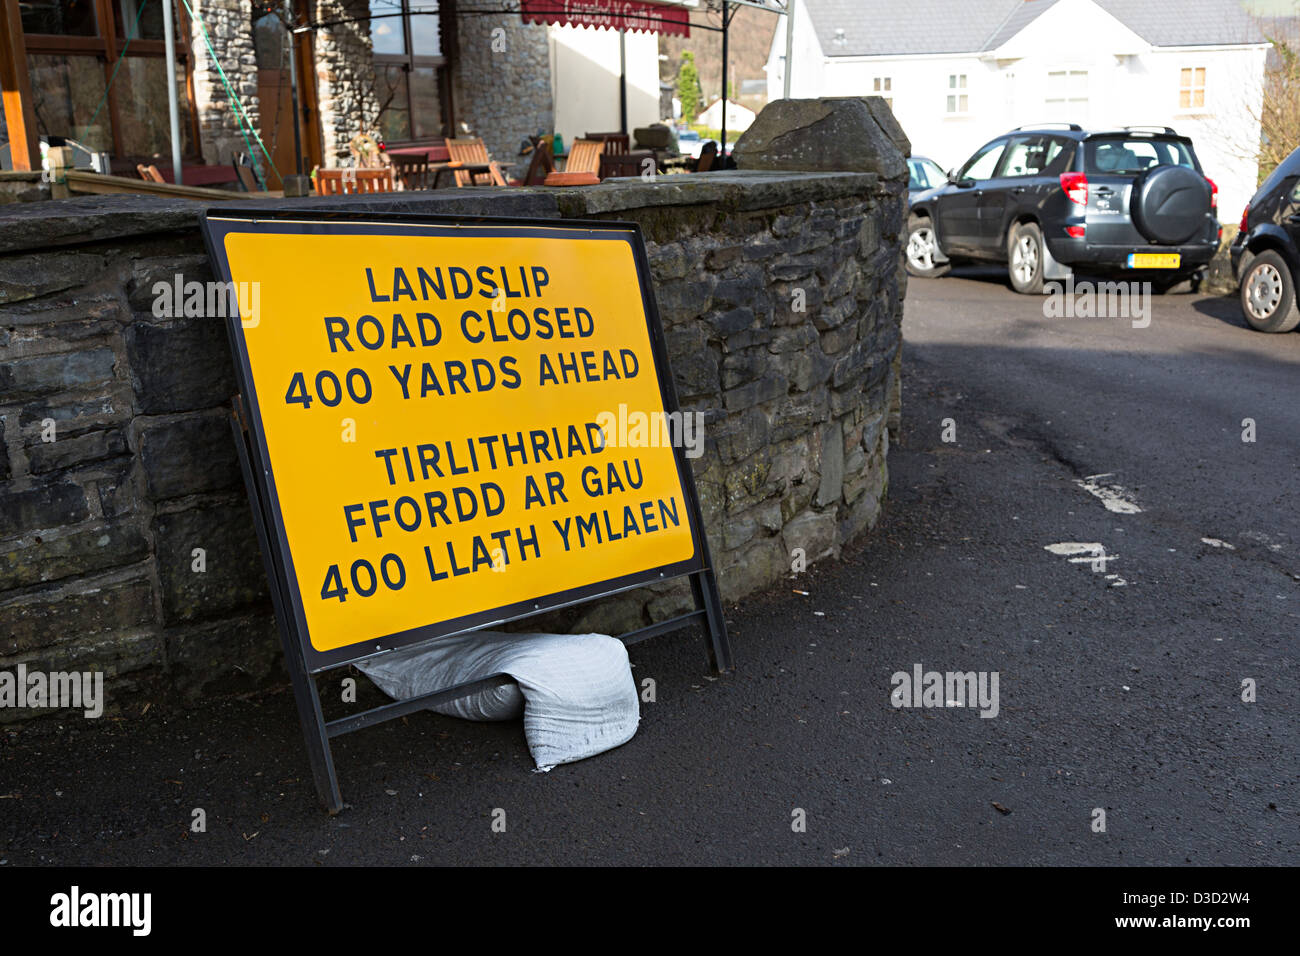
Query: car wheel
[
  {"x": 1025, "y": 258},
  {"x": 1268, "y": 294},
  {"x": 922, "y": 248}
]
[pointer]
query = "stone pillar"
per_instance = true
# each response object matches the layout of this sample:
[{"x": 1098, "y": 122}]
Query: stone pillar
[
  {"x": 502, "y": 77},
  {"x": 230, "y": 28},
  {"x": 345, "y": 77},
  {"x": 843, "y": 134}
]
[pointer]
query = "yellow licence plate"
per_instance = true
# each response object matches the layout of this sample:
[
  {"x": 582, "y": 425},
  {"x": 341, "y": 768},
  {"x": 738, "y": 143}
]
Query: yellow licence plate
[{"x": 1154, "y": 260}]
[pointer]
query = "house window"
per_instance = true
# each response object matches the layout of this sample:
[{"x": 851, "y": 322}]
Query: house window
[
  {"x": 410, "y": 70},
  {"x": 1067, "y": 94},
  {"x": 73, "y": 47},
  {"x": 883, "y": 86},
  {"x": 1191, "y": 88},
  {"x": 957, "y": 102}
]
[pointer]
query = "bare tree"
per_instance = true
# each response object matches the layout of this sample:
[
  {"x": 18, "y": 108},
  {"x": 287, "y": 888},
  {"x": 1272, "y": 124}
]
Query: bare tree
[{"x": 1280, "y": 110}]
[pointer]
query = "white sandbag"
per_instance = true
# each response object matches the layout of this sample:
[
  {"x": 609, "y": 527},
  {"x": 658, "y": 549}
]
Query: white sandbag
[{"x": 575, "y": 691}]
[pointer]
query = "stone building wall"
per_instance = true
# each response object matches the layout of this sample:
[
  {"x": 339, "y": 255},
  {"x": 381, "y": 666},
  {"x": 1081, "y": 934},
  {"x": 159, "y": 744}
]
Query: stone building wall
[
  {"x": 345, "y": 77},
  {"x": 229, "y": 25},
  {"x": 502, "y": 78},
  {"x": 781, "y": 299}
]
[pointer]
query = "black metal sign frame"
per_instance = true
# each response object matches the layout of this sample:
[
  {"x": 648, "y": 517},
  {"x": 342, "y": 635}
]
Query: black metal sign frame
[{"x": 304, "y": 661}]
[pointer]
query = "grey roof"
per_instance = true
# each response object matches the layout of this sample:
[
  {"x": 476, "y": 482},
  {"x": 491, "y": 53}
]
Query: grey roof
[{"x": 885, "y": 27}]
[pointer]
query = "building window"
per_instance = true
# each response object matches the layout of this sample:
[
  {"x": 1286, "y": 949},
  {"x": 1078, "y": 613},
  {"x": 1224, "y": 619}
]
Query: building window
[
  {"x": 1191, "y": 88},
  {"x": 410, "y": 69},
  {"x": 73, "y": 47},
  {"x": 957, "y": 102},
  {"x": 883, "y": 86},
  {"x": 1067, "y": 95}
]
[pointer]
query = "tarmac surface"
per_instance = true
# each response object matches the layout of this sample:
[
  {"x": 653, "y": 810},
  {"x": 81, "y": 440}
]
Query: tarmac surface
[{"x": 1120, "y": 672}]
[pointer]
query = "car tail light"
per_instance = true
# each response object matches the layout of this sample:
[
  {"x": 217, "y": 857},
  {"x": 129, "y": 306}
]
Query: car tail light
[
  {"x": 1245, "y": 214},
  {"x": 1076, "y": 187},
  {"x": 1075, "y": 232},
  {"x": 1214, "y": 193}
]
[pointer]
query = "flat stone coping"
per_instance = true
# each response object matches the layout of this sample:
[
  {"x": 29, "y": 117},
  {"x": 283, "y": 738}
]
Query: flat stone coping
[{"x": 86, "y": 219}]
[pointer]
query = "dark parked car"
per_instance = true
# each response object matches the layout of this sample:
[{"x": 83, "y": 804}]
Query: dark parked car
[
  {"x": 1046, "y": 200},
  {"x": 923, "y": 174},
  {"x": 1266, "y": 252}
]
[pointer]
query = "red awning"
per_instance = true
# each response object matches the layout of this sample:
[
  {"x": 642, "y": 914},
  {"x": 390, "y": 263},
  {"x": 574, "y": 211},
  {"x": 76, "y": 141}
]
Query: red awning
[{"x": 609, "y": 14}]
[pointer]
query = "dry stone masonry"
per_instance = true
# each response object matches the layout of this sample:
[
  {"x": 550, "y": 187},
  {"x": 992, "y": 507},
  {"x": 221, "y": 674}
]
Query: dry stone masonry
[{"x": 126, "y": 542}]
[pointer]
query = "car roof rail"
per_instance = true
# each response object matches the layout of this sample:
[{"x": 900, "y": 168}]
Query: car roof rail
[
  {"x": 1071, "y": 126},
  {"x": 1159, "y": 129}
]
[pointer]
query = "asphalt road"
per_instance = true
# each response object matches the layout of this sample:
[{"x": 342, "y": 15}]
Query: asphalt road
[{"x": 1121, "y": 693}]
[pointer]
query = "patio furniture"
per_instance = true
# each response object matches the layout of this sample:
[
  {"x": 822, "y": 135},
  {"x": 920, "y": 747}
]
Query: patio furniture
[
  {"x": 340, "y": 182},
  {"x": 572, "y": 179},
  {"x": 434, "y": 147},
  {"x": 614, "y": 142},
  {"x": 414, "y": 171},
  {"x": 467, "y": 153},
  {"x": 584, "y": 156},
  {"x": 708, "y": 156},
  {"x": 635, "y": 163},
  {"x": 541, "y": 165},
  {"x": 244, "y": 175}
]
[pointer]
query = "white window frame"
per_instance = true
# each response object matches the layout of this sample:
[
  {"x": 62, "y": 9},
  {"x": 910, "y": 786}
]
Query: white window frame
[
  {"x": 883, "y": 86},
  {"x": 1065, "y": 101},
  {"x": 1192, "y": 88},
  {"x": 958, "y": 95}
]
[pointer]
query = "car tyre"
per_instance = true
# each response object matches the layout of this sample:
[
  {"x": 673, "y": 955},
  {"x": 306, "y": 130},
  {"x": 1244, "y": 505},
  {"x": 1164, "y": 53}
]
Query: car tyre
[
  {"x": 1025, "y": 258},
  {"x": 1268, "y": 294},
  {"x": 921, "y": 248}
]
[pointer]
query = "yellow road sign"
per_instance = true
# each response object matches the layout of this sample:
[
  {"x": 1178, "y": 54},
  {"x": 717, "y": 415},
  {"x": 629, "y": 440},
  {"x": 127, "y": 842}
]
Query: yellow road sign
[{"x": 432, "y": 405}]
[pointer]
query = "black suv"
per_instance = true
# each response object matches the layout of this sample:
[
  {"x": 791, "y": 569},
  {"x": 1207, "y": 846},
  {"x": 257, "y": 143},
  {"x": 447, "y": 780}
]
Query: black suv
[
  {"x": 1266, "y": 252},
  {"x": 1046, "y": 201}
]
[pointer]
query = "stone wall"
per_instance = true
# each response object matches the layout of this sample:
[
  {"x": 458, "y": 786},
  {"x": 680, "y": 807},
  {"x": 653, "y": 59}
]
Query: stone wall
[
  {"x": 781, "y": 298},
  {"x": 502, "y": 78},
  {"x": 229, "y": 25},
  {"x": 345, "y": 77}
]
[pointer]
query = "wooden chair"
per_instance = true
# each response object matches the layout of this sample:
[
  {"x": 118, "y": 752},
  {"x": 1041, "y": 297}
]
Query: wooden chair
[
  {"x": 340, "y": 182},
  {"x": 414, "y": 171},
  {"x": 615, "y": 143},
  {"x": 244, "y": 174},
  {"x": 584, "y": 156},
  {"x": 708, "y": 156},
  {"x": 541, "y": 165},
  {"x": 149, "y": 173},
  {"x": 635, "y": 163},
  {"x": 473, "y": 152}
]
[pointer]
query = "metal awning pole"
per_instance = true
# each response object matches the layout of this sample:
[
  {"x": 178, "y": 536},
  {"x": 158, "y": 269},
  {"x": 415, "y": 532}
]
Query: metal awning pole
[
  {"x": 622, "y": 81},
  {"x": 173, "y": 109},
  {"x": 293, "y": 91},
  {"x": 722, "y": 147},
  {"x": 789, "y": 45}
]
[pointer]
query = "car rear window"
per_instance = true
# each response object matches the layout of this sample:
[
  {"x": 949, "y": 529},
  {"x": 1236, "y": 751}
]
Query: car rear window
[
  {"x": 1120, "y": 155},
  {"x": 924, "y": 174}
]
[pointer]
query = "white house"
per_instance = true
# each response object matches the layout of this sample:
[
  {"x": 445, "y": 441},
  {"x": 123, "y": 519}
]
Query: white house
[
  {"x": 959, "y": 72},
  {"x": 739, "y": 118}
]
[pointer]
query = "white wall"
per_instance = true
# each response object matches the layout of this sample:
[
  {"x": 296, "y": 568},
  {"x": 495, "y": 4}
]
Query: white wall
[
  {"x": 584, "y": 80},
  {"x": 809, "y": 61}
]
